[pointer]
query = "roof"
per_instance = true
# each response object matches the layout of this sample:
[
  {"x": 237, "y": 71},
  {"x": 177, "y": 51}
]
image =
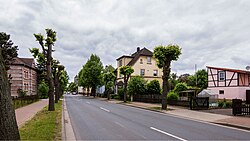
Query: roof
[
  {"x": 232, "y": 70},
  {"x": 24, "y": 61},
  {"x": 135, "y": 56}
]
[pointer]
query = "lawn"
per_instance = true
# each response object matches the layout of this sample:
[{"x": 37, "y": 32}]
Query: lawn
[{"x": 46, "y": 125}]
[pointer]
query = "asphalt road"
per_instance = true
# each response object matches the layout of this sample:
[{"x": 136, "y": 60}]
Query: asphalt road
[{"x": 93, "y": 119}]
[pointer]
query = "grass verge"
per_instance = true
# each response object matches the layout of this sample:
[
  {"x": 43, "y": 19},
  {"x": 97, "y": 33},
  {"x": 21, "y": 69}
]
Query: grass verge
[{"x": 46, "y": 125}]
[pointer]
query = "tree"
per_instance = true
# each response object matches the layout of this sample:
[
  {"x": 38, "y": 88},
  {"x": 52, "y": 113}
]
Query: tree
[
  {"x": 164, "y": 56},
  {"x": 173, "y": 80},
  {"x": 47, "y": 45},
  {"x": 180, "y": 87},
  {"x": 153, "y": 87},
  {"x": 109, "y": 79},
  {"x": 126, "y": 71},
  {"x": 72, "y": 87},
  {"x": 92, "y": 73},
  {"x": 63, "y": 80},
  {"x": 136, "y": 86},
  {"x": 9, "y": 52},
  {"x": 43, "y": 90},
  {"x": 8, "y": 124}
]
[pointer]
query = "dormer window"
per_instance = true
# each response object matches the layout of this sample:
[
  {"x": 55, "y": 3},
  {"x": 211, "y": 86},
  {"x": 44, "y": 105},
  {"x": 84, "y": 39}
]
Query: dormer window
[
  {"x": 148, "y": 60},
  {"x": 222, "y": 76}
]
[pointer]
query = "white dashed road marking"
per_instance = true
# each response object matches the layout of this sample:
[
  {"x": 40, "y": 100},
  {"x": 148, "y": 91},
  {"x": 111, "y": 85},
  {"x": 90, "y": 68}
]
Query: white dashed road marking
[
  {"x": 171, "y": 135},
  {"x": 104, "y": 109}
]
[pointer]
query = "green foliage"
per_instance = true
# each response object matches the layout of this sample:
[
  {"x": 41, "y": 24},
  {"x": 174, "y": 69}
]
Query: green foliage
[
  {"x": 172, "y": 96},
  {"x": 153, "y": 87},
  {"x": 126, "y": 70},
  {"x": 164, "y": 54},
  {"x": 173, "y": 80},
  {"x": 43, "y": 90},
  {"x": 120, "y": 93},
  {"x": 72, "y": 87},
  {"x": 64, "y": 79},
  {"x": 9, "y": 52},
  {"x": 180, "y": 87},
  {"x": 137, "y": 86},
  {"x": 91, "y": 73},
  {"x": 21, "y": 93}
]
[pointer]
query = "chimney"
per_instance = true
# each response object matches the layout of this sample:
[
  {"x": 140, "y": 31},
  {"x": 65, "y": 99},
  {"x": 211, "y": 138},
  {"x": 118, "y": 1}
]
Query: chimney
[{"x": 138, "y": 49}]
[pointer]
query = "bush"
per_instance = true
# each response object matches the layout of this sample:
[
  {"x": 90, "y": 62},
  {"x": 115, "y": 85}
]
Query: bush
[
  {"x": 137, "y": 85},
  {"x": 225, "y": 104},
  {"x": 43, "y": 90},
  {"x": 153, "y": 87},
  {"x": 180, "y": 87},
  {"x": 172, "y": 96},
  {"x": 121, "y": 93}
]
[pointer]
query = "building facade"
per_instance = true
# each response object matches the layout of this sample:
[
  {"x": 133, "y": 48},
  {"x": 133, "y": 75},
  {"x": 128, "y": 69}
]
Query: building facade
[
  {"x": 143, "y": 63},
  {"x": 23, "y": 76},
  {"x": 229, "y": 83}
]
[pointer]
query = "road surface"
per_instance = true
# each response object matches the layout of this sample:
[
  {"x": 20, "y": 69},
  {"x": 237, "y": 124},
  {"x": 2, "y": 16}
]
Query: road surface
[{"x": 93, "y": 119}]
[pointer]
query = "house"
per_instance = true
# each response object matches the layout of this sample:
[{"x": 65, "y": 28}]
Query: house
[
  {"x": 229, "y": 83},
  {"x": 23, "y": 75},
  {"x": 143, "y": 63}
]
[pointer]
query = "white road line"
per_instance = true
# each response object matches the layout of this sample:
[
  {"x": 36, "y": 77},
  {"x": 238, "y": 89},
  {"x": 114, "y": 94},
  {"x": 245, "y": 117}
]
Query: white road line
[
  {"x": 171, "y": 135},
  {"x": 119, "y": 124},
  {"x": 88, "y": 102},
  {"x": 104, "y": 109}
]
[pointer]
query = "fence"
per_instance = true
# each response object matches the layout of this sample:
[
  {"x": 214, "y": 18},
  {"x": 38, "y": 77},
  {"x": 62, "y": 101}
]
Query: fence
[
  {"x": 239, "y": 108},
  {"x": 199, "y": 103},
  {"x": 158, "y": 99},
  {"x": 22, "y": 101}
]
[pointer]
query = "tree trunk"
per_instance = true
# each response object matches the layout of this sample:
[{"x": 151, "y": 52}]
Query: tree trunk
[
  {"x": 93, "y": 91},
  {"x": 8, "y": 124},
  {"x": 56, "y": 77},
  {"x": 87, "y": 91},
  {"x": 165, "y": 77},
  {"x": 125, "y": 89},
  {"x": 50, "y": 80}
]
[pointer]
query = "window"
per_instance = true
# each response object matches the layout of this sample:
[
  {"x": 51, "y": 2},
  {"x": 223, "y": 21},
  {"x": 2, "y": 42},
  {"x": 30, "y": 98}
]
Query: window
[
  {"x": 141, "y": 61},
  {"x": 155, "y": 73},
  {"x": 120, "y": 63},
  {"x": 142, "y": 72},
  {"x": 221, "y": 76},
  {"x": 221, "y": 91},
  {"x": 148, "y": 60}
]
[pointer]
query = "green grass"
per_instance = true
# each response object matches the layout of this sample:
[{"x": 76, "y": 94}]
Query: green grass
[
  {"x": 46, "y": 125},
  {"x": 157, "y": 108},
  {"x": 21, "y": 103}
]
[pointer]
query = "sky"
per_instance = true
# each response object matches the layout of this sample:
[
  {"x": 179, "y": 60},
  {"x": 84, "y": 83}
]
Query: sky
[{"x": 210, "y": 33}]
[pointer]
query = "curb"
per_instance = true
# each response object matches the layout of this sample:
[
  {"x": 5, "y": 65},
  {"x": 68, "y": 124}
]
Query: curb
[
  {"x": 68, "y": 132},
  {"x": 219, "y": 123}
]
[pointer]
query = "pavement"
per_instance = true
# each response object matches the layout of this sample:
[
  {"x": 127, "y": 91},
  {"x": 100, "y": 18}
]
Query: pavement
[
  {"x": 242, "y": 122},
  {"x": 98, "y": 119},
  {"x": 25, "y": 113}
]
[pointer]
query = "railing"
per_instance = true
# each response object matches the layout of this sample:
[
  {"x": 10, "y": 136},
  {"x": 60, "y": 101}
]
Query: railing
[
  {"x": 147, "y": 98},
  {"x": 199, "y": 103}
]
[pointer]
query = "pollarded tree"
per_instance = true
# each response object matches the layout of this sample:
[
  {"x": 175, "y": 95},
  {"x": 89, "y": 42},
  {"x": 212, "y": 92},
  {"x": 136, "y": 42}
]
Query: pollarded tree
[
  {"x": 8, "y": 124},
  {"x": 164, "y": 56},
  {"x": 9, "y": 52},
  {"x": 126, "y": 71},
  {"x": 108, "y": 78},
  {"x": 47, "y": 45}
]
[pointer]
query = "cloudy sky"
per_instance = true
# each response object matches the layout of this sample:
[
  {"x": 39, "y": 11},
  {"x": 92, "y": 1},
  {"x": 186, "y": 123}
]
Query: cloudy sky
[{"x": 212, "y": 32}]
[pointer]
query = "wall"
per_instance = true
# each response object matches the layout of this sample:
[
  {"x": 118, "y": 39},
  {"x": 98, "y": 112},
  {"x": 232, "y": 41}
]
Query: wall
[{"x": 231, "y": 92}]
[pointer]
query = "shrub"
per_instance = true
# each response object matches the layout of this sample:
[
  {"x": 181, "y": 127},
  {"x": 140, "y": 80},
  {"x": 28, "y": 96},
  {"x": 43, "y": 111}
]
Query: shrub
[
  {"x": 172, "y": 96},
  {"x": 121, "y": 93},
  {"x": 153, "y": 87},
  {"x": 180, "y": 87},
  {"x": 21, "y": 93},
  {"x": 137, "y": 85}
]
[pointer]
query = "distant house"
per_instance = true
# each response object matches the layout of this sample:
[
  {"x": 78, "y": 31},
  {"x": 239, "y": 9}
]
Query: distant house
[
  {"x": 229, "y": 83},
  {"x": 23, "y": 76},
  {"x": 143, "y": 63}
]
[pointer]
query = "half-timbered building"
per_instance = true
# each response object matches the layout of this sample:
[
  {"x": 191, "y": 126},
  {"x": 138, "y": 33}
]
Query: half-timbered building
[{"x": 229, "y": 83}]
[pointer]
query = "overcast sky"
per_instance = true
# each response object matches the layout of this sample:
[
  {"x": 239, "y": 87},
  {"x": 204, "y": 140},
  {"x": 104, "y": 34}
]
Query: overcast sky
[{"x": 210, "y": 32}]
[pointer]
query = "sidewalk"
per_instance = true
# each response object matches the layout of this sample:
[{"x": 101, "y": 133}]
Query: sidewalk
[
  {"x": 233, "y": 121},
  {"x": 25, "y": 113}
]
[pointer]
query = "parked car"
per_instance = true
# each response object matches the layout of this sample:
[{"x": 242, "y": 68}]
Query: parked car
[{"x": 74, "y": 93}]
